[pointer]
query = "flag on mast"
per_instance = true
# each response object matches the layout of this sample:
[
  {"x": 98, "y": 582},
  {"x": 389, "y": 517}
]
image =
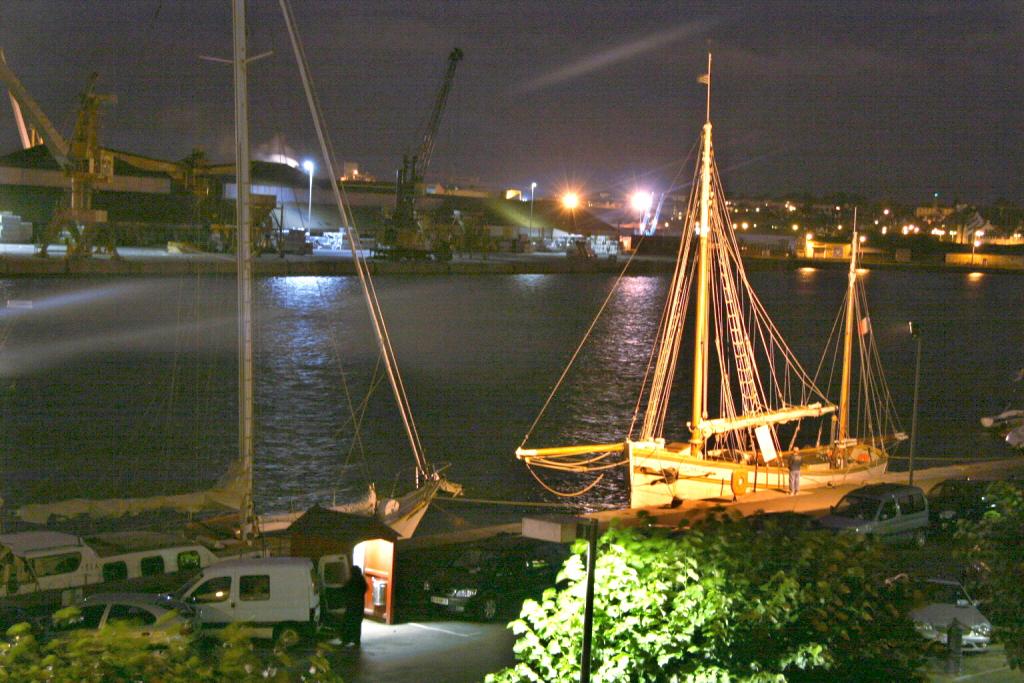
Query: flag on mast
[{"x": 704, "y": 79}]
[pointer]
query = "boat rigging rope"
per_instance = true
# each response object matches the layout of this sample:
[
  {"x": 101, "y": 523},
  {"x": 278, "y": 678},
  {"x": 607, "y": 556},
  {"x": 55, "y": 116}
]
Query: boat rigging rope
[
  {"x": 579, "y": 347},
  {"x": 369, "y": 291}
]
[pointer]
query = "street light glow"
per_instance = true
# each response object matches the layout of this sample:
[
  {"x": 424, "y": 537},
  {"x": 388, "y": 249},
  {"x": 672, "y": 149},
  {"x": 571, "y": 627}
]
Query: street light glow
[
  {"x": 308, "y": 166},
  {"x": 570, "y": 200},
  {"x": 641, "y": 200}
]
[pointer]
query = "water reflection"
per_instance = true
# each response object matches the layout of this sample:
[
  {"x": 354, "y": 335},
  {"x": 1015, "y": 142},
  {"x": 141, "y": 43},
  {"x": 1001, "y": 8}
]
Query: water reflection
[{"x": 142, "y": 396}]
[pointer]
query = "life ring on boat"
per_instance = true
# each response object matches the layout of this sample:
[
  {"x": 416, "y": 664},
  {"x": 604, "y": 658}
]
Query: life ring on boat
[
  {"x": 738, "y": 482},
  {"x": 861, "y": 455}
]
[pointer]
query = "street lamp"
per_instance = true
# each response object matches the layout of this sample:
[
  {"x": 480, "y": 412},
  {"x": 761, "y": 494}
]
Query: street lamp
[
  {"x": 915, "y": 332},
  {"x": 310, "y": 167},
  {"x": 533, "y": 188},
  {"x": 565, "y": 529},
  {"x": 570, "y": 200}
]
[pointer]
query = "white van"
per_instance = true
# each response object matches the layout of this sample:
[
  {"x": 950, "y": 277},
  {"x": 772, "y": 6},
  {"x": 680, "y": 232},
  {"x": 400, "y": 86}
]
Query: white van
[
  {"x": 278, "y": 596},
  {"x": 47, "y": 568}
]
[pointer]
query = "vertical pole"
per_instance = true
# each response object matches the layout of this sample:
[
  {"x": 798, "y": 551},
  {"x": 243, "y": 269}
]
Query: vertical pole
[
  {"x": 588, "y": 608},
  {"x": 913, "y": 419},
  {"x": 309, "y": 211},
  {"x": 851, "y": 300},
  {"x": 244, "y": 264},
  {"x": 700, "y": 345},
  {"x": 533, "y": 188}
]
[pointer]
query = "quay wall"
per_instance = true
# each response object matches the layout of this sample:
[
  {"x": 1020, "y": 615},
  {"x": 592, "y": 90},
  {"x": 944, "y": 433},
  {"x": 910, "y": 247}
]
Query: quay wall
[{"x": 153, "y": 262}]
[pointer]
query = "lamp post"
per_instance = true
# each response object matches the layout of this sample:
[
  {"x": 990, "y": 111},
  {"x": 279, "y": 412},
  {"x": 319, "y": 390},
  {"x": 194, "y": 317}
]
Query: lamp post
[
  {"x": 915, "y": 332},
  {"x": 533, "y": 188},
  {"x": 310, "y": 167},
  {"x": 565, "y": 529}
]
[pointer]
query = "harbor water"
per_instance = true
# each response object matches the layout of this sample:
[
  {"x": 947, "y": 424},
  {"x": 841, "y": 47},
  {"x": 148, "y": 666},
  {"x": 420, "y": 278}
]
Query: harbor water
[{"x": 127, "y": 387}]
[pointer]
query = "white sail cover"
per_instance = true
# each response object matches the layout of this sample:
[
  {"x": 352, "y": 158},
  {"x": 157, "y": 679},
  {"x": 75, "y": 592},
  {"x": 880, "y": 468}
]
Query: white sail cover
[{"x": 227, "y": 496}]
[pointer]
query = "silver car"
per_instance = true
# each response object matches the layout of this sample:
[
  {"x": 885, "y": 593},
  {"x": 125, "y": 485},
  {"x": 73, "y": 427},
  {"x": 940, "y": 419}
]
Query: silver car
[
  {"x": 156, "y": 617},
  {"x": 944, "y": 601}
]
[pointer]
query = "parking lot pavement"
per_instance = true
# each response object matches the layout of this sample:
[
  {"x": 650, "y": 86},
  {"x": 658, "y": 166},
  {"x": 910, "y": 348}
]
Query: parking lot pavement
[
  {"x": 983, "y": 668},
  {"x": 425, "y": 652}
]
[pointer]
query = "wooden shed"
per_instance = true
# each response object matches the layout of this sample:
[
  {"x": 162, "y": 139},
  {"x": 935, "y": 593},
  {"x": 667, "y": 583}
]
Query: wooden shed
[{"x": 366, "y": 541}]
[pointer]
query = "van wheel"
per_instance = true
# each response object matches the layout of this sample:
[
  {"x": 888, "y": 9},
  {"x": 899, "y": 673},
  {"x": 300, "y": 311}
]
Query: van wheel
[{"x": 287, "y": 635}]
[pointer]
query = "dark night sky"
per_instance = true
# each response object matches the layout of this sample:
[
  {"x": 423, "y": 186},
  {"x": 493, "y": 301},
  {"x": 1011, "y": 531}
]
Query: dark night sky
[{"x": 887, "y": 99}]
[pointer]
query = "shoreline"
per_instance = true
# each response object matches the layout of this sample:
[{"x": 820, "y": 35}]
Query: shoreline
[{"x": 20, "y": 261}]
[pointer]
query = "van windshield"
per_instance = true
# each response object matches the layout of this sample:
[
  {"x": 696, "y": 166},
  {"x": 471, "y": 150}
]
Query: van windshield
[
  {"x": 180, "y": 593},
  {"x": 856, "y": 507}
]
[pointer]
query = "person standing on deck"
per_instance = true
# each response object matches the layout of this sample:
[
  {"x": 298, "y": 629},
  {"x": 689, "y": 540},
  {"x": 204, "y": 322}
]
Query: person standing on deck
[{"x": 794, "y": 472}]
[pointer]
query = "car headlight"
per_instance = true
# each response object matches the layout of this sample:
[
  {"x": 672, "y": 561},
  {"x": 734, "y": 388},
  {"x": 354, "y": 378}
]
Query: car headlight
[
  {"x": 465, "y": 592},
  {"x": 924, "y": 627},
  {"x": 982, "y": 630}
]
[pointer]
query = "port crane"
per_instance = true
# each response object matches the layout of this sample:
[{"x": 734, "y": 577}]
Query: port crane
[
  {"x": 404, "y": 236},
  {"x": 81, "y": 159},
  {"x": 88, "y": 166}
]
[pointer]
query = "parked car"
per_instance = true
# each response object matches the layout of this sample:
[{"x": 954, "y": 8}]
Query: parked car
[
  {"x": 157, "y": 617},
  {"x": 490, "y": 582},
  {"x": 11, "y": 615},
  {"x": 955, "y": 499},
  {"x": 886, "y": 511},
  {"x": 943, "y": 601}
]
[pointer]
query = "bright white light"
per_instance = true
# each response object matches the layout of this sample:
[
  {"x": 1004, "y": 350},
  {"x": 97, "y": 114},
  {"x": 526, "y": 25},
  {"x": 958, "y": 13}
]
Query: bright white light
[
  {"x": 641, "y": 200},
  {"x": 863, "y": 239},
  {"x": 884, "y": 229},
  {"x": 309, "y": 166},
  {"x": 570, "y": 200},
  {"x": 886, "y": 212}
]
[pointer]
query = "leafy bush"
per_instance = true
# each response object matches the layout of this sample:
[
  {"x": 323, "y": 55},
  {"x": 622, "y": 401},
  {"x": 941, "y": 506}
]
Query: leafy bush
[
  {"x": 722, "y": 602},
  {"x": 992, "y": 548},
  {"x": 119, "y": 653}
]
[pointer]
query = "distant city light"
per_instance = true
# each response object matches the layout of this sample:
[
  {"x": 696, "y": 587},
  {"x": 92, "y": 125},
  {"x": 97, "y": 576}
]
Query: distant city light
[
  {"x": 885, "y": 212},
  {"x": 863, "y": 239},
  {"x": 885, "y": 229},
  {"x": 796, "y": 227},
  {"x": 570, "y": 200}
]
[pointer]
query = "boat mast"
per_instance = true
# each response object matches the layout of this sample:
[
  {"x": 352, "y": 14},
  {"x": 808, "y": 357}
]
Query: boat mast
[
  {"x": 700, "y": 350},
  {"x": 244, "y": 262},
  {"x": 423, "y": 470},
  {"x": 844, "y": 392}
]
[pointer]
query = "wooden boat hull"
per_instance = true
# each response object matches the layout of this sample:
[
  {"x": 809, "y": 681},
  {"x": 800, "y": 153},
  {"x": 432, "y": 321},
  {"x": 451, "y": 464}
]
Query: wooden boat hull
[{"x": 663, "y": 475}]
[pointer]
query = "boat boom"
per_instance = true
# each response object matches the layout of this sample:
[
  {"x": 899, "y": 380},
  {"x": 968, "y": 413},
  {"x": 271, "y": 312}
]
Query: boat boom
[
  {"x": 730, "y": 424},
  {"x": 566, "y": 451}
]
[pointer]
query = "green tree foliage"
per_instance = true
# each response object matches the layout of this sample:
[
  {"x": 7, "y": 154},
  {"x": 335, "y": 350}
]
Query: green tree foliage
[
  {"x": 723, "y": 602},
  {"x": 992, "y": 548},
  {"x": 120, "y": 653}
]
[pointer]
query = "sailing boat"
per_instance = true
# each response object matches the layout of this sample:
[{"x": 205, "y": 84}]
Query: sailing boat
[
  {"x": 764, "y": 395},
  {"x": 235, "y": 491}
]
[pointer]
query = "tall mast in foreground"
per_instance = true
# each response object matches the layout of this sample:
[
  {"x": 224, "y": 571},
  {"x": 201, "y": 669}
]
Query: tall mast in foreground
[
  {"x": 700, "y": 351},
  {"x": 247, "y": 514},
  {"x": 851, "y": 294}
]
